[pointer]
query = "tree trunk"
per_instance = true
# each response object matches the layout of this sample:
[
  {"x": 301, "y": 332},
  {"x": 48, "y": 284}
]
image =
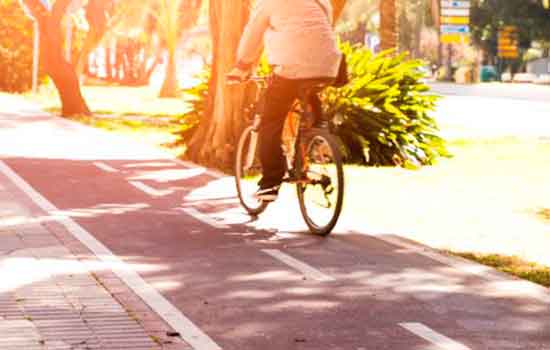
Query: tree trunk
[
  {"x": 219, "y": 130},
  {"x": 388, "y": 24},
  {"x": 170, "y": 85},
  {"x": 53, "y": 59},
  {"x": 60, "y": 70},
  {"x": 214, "y": 142}
]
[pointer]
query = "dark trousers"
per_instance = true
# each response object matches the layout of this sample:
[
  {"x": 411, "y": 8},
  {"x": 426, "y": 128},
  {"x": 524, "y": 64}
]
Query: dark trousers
[{"x": 279, "y": 99}]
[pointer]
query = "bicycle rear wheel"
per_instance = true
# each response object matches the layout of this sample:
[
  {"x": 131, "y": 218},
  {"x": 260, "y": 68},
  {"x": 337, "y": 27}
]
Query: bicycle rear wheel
[
  {"x": 248, "y": 171},
  {"x": 321, "y": 193}
]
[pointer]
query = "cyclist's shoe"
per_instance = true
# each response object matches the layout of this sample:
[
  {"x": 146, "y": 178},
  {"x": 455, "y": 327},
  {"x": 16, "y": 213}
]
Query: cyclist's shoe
[{"x": 269, "y": 194}]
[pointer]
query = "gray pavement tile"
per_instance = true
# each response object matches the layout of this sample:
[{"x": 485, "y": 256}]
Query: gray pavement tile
[
  {"x": 10, "y": 243},
  {"x": 9, "y": 207},
  {"x": 32, "y": 230},
  {"x": 57, "y": 345},
  {"x": 20, "y": 334},
  {"x": 127, "y": 343},
  {"x": 7, "y": 231},
  {"x": 56, "y": 251},
  {"x": 38, "y": 241}
]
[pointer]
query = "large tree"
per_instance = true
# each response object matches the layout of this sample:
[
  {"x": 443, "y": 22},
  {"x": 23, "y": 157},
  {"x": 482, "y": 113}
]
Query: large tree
[
  {"x": 52, "y": 56},
  {"x": 214, "y": 142},
  {"x": 220, "y": 127}
]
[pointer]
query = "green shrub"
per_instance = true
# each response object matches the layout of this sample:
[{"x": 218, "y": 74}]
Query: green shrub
[
  {"x": 16, "y": 40},
  {"x": 382, "y": 115}
]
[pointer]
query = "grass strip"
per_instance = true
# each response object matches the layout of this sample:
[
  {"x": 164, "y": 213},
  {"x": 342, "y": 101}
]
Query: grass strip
[{"x": 512, "y": 265}]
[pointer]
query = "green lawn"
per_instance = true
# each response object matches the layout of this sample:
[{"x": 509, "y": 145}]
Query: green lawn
[
  {"x": 492, "y": 197},
  {"x": 123, "y": 101},
  {"x": 135, "y": 112},
  {"x": 512, "y": 265}
]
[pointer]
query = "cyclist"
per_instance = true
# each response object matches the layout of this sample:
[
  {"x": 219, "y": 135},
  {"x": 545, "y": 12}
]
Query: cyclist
[{"x": 301, "y": 44}]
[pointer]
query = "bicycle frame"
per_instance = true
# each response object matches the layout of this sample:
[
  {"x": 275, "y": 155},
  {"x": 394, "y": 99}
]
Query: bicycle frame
[
  {"x": 305, "y": 141},
  {"x": 295, "y": 165}
]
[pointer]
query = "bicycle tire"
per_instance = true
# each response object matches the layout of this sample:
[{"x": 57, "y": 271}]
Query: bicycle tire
[
  {"x": 252, "y": 206},
  {"x": 319, "y": 135}
]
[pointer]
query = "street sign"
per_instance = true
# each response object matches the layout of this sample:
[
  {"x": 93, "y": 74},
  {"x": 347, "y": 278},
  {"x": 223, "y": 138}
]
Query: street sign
[
  {"x": 455, "y": 12},
  {"x": 508, "y": 42},
  {"x": 455, "y": 4},
  {"x": 455, "y": 21},
  {"x": 455, "y": 29},
  {"x": 455, "y": 39}
]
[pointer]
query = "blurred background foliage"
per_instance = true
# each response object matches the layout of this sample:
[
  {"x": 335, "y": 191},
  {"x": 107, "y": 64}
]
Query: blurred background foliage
[
  {"x": 16, "y": 42},
  {"x": 383, "y": 114}
]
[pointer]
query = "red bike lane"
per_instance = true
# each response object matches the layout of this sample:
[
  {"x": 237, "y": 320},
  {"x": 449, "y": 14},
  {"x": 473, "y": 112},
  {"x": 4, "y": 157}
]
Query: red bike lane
[{"x": 266, "y": 283}]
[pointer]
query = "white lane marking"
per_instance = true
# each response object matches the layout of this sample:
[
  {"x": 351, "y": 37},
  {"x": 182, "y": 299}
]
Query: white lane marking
[
  {"x": 105, "y": 167},
  {"x": 308, "y": 271},
  {"x": 197, "y": 202},
  {"x": 149, "y": 190},
  {"x": 439, "y": 340},
  {"x": 193, "y": 335},
  {"x": 214, "y": 173},
  {"x": 504, "y": 282},
  {"x": 204, "y": 218}
]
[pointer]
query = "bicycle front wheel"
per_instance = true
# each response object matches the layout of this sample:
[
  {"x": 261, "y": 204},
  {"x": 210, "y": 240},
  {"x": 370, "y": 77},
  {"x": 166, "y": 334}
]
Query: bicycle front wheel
[
  {"x": 248, "y": 172},
  {"x": 321, "y": 192}
]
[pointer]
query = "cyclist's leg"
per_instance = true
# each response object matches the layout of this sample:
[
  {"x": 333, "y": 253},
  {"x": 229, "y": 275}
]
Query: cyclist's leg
[{"x": 279, "y": 99}]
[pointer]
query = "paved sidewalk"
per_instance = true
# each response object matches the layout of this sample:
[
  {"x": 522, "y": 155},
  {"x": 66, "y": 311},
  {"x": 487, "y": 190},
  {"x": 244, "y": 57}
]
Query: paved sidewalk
[{"x": 54, "y": 295}]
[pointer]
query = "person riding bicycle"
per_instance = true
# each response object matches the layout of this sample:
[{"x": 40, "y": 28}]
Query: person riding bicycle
[{"x": 300, "y": 43}]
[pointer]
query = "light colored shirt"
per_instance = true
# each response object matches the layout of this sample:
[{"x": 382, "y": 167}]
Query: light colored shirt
[{"x": 298, "y": 37}]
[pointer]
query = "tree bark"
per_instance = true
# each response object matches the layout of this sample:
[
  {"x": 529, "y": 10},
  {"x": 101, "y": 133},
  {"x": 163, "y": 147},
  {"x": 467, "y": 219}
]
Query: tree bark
[
  {"x": 53, "y": 59},
  {"x": 219, "y": 130},
  {"x": 214, "y": 142},
  {"x": 388, "y": 25}
]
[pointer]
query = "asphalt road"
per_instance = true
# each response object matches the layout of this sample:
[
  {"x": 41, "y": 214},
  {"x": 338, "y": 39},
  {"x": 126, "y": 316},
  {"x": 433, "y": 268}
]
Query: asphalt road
[
  {"x": 266, "y": 283},
  {"x": 523, "y": 92},
  {"x": 493, "y": 111}
]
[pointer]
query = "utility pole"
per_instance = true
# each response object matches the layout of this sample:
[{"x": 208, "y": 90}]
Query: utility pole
[{"x": 36, "y": 42}]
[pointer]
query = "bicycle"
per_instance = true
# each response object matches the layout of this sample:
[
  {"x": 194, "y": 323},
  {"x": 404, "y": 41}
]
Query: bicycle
[{"x": 313, "y": 159}]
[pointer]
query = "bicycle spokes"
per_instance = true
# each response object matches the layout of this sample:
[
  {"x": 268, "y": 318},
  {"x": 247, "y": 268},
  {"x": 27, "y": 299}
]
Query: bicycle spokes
[
  {"x": 248, "y": 171},
  {"x": 322, "y": 190}
]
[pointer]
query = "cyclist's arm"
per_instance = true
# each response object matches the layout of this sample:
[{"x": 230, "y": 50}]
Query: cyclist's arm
[{"x": 251, "y": 45}]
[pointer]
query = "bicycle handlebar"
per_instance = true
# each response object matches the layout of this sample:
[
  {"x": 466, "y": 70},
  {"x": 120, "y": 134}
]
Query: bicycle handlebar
[{"x": 235, "y": 80}]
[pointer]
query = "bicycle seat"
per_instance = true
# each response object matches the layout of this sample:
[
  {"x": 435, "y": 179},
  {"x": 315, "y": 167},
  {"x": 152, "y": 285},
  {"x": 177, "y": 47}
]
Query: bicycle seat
[
  {"x": 315, "y": 83},
  {"x": 313, "y": 86}
]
